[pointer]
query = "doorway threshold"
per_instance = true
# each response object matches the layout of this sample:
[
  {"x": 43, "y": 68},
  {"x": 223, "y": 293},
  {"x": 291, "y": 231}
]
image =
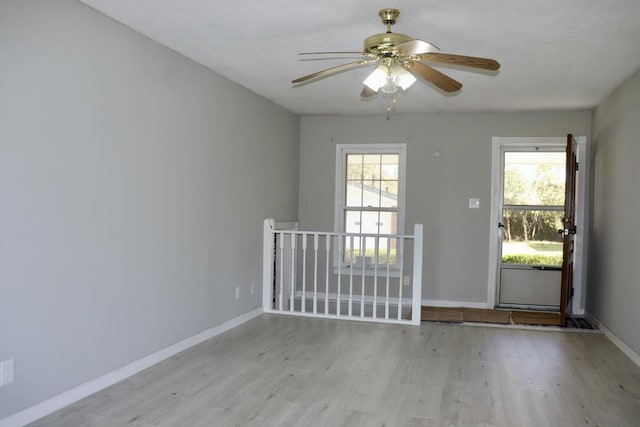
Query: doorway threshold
[
  {"x": 526, "y": 317},
  {"x": 502, "y": 317}
]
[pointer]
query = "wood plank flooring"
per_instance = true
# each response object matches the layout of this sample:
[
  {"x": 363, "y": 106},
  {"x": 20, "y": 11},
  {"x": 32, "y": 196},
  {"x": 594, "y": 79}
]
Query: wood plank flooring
[{"x": 286, "y": 371}]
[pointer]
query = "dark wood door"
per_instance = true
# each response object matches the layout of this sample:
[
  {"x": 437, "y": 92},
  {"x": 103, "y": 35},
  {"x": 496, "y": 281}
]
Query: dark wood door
[{"x": 568, "y": 230}]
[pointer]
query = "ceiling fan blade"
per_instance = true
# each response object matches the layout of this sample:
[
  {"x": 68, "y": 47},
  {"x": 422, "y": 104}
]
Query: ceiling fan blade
[
  {"x": 416, "y": 47},
  {"x": 432, "y": 75},
  {"x": 465, "y": 61},
  {"x": 330, "y": 71},
  {"x": 332, "y": 53},
  {"x": 367, "y": 92}
]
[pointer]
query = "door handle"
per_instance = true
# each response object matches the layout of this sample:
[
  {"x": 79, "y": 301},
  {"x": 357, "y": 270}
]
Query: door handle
[
  {"x": 567, "y": 231},
  {"x": 500, "y": 225}
]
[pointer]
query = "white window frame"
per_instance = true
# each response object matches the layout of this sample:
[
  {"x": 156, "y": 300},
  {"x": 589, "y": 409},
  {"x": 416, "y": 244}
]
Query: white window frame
[{"x": 342, "y": 150}]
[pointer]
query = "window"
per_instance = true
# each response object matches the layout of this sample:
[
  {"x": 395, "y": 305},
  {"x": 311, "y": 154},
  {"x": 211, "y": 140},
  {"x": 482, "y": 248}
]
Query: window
[{"x": 370, "y": 181}]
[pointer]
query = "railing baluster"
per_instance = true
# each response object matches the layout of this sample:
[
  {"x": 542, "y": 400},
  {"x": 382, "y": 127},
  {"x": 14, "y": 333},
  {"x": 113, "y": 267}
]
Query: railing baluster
[
  {"x": 339, "y": 246},
  {"x": 376, "y": 250},
  {"x": 363, "y": 252},
  {"x": 351, "y": 277},
  {"x": 315, "y": 273},
  {"x": 281, "y": 291},
  {"x": 401, "y": 279},
  {"x": 386, "y": 300},
  {"x": 303, "y": 300},
  {"x": 293, "y": 272},
  {"x": 326, "y": 275}
]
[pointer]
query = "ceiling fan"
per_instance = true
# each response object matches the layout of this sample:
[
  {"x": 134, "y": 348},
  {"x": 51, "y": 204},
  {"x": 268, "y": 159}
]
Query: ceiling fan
[{"x": 400, "y": 59}]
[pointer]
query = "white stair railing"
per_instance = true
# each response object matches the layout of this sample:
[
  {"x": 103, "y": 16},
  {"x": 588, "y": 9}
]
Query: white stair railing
[{"x": 342, "y": 275}]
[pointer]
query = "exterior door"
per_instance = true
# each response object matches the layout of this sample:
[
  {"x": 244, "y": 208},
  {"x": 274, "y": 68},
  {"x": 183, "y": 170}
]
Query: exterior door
[
  {"x": 568, "y": 231},
  {"x": 532, "y": 210}
]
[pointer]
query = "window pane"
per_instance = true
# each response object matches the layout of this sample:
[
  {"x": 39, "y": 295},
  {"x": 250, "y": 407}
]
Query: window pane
[
  {"x": 383, "y": 257},
  {"x": 390, "y": 187},
  {"x": 531, "y": 237},
  {"x": 388, "y": 223},
  {"x": 534, "y": 178},
  {"x": 391, "y": 254},
  {"x": 371, "y": 167},
  {"x": 351, "y": 248},
  {"x": 354, "y": 193},
  {"x": 370, "y": 222},
  {"x": 352, "y": 222},
  {"x": 389, "y": 194},
  {"x": 354, "y": 166},
  {"x": 389, "y": 166},
  {"x": 370, "y": 248},
  {"x": 371, "y": 194}
]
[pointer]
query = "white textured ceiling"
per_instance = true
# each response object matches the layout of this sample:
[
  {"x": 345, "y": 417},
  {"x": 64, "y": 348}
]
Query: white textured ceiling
[{"x": 555, "y": 54}]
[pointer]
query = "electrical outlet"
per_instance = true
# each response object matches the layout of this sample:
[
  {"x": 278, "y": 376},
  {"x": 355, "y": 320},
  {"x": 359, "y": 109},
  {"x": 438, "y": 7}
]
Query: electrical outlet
[
  {"x": 253, "y": 288},
  {"x": 6, "y": 372},
  {"x": 407, "y": 280},
  {"x": 237, "y": 292}
]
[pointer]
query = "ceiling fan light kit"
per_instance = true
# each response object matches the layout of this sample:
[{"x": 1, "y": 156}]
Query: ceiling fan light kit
[
  {"x": 389, "y": 78},
  {"x": 400, "y": 61}
]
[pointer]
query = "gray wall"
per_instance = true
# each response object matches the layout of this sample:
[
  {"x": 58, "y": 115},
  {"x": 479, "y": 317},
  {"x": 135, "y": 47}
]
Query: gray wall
[
  {"x": 614, "y": 259},
  {"x": 456, "y": 252},
  {"x": 133, "y": 184}
]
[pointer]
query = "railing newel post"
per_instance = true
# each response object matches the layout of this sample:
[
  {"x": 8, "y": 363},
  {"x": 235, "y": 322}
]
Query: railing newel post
[
  {"x": 416, "y": 294},
  {"x": 268, "y": 251}
]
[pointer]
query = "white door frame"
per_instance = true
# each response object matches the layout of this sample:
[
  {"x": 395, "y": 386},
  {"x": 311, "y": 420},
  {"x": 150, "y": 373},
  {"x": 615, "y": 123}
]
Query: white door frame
[{"x": 579, "y": 277}]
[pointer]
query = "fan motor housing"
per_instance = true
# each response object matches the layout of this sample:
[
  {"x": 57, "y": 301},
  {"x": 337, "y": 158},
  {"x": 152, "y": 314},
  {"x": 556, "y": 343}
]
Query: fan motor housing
[{"x": 384, "y": 42}]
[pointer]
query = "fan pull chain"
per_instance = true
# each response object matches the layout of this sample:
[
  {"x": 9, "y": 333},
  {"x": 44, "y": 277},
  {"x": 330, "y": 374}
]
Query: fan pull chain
[{"x": 392, "y": 107}]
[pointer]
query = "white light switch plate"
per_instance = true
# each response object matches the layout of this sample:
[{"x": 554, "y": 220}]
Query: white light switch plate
[
  {"x": 6, "y": 372},
  {"x": 474, "y": 203}
]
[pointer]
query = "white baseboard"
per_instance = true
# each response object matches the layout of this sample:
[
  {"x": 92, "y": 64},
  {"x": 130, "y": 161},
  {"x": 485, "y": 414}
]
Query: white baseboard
[
  {"x": 446, "y": 303},
  {"x": 68, "y": 397},
  {"x": 631, "y": 354}
]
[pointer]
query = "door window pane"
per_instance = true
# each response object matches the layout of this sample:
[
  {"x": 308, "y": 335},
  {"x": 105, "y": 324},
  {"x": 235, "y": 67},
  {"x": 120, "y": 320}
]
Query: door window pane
[
  {"x": 531, "y": 237},
  {"x": 534, "y": 178}
]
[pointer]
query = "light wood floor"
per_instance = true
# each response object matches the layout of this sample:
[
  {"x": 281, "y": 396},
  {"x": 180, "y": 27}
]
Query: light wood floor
[{"x": 285, "y": 371}]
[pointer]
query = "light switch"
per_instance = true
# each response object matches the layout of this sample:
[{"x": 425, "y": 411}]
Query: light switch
[{"x": 474, "y": 203}]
